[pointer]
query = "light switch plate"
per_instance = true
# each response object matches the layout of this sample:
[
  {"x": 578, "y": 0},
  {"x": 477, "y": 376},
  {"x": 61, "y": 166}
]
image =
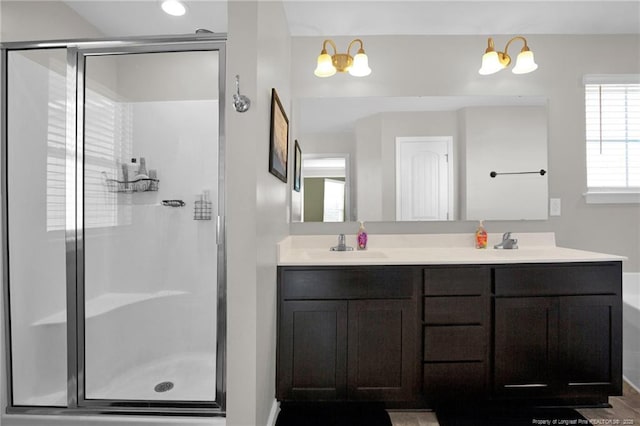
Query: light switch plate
[{"x": 555, "y": 207}]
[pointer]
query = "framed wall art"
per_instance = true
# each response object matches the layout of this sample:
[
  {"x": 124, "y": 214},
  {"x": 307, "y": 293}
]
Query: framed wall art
[
  {"x": 297, "y": 166},
  {"x": 279, "y": 140}
]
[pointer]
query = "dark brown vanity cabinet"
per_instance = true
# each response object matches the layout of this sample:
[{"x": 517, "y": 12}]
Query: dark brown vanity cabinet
[
  {"x": 415, "y": 336},
  {"x": 558, "y": 331},
  {"x": 347, "y": 333},
  {"x": 456, "y": 330}
]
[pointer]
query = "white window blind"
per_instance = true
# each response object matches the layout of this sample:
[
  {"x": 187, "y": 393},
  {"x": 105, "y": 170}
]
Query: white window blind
[
  {"x": 613, "y": 135},
  {"x": 108, "y": 139}
]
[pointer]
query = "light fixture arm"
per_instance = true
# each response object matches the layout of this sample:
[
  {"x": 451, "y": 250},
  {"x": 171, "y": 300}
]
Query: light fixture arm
[
  {"x": 324, "y": 47},
  {"x": 524, "y": 40},
  {"x": 361, "y": 50},
  {"x": 504, "y": 57}
]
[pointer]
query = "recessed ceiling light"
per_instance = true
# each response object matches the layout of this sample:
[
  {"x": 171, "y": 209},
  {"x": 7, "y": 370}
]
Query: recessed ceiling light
[{"x": 174, "y": 7}]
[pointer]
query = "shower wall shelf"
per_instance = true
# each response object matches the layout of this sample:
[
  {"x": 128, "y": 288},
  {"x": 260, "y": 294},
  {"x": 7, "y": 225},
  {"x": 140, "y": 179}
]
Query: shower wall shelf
[
  {"x": 107, "y": 302},
  {"x": 137, "y": 185},
  {"x": 202, "y": 210}
]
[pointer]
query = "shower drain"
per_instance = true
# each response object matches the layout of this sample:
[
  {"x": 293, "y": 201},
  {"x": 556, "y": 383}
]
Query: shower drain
[{"x": 163, "y": 386}]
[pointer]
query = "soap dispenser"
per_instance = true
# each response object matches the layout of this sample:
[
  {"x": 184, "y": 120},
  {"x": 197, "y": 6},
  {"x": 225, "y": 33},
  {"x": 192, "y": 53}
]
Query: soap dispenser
[
  {"x": 481, "y": 237},
  {"x": 362, "y": 237}
]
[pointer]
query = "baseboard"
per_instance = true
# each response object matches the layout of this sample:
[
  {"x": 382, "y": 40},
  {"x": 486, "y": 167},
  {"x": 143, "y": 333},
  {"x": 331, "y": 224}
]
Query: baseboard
[
  {"x": 273, "y": 414},
  {"x": 631, "y": 384}
]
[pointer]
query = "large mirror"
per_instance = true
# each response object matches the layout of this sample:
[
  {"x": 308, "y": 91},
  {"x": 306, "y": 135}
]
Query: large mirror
[{"x": 421, "y": 158}]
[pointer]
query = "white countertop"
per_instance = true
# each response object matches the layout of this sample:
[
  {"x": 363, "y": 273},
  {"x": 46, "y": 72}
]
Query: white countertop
[{"x": 430, "y": 249}]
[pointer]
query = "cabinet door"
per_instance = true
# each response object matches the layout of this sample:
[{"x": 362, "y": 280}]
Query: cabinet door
[
  {"x": 383, "y": 355},
  {"x": 590, "y": 357},
  {"x": 312, "y": 357},
  {"x": 526, "y": 334}
]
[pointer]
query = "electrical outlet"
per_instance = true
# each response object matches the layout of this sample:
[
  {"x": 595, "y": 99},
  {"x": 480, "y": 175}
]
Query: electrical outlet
[{"x": 555, "y": 207}]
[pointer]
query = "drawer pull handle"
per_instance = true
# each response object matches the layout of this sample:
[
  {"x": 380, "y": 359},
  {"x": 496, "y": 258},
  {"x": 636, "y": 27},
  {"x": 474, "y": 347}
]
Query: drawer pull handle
[
  {"x": 589, "y": 384},
  {"x": 531, "y": 385}
]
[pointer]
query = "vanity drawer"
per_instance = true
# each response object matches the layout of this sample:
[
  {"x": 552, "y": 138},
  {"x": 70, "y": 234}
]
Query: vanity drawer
[
  {"x": 454, "y": 343},
  {"x": 347, "y": 283},
  {"x": 558, "y": 279},
  {"x": 456, "y": 281},
  {"x": 454, "y": 310}
]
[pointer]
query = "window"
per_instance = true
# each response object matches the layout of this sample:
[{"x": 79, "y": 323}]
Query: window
[
  {"x": 612, "y": 114},
  {"x": 108, "y": 130}
]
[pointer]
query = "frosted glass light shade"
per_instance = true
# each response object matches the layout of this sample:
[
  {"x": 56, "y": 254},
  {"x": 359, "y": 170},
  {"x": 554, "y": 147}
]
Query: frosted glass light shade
[
  {"x": 173, "y": 7},
  {"x": 360, "y": 67},
  {"x": 325, "y": 66},
  {"x": 490, "y": 63},
  {"x": 525, "y": 63}
]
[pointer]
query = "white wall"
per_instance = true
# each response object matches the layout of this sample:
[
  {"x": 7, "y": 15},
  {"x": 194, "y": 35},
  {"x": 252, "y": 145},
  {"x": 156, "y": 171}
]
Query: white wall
[
  {"x": 562, "y": 60},
  {"x": 368, "y": 163},
  {"x": 258, "y": 50},
  {"x": 505, "y": 139},
  {"x": 42, "y": 20}
]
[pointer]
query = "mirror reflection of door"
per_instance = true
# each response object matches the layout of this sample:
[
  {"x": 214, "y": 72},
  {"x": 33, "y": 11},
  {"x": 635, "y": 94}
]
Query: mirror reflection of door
[
  {"x": 424, "y": 179},
  {"x": 333, "y": 201},
  {"x": 325, "y": 189}
]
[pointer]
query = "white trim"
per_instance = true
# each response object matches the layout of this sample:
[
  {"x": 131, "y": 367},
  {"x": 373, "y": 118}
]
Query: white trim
[
  {"x": 273, "y": 414},
  {"x": 618, "y": 196},
  {"x": 611, "y": 79},
  {"x": 630, "y": 383}
]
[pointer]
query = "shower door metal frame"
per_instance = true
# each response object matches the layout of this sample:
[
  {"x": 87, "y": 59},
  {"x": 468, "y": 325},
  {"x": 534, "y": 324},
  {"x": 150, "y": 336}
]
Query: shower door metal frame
[{"x": 77, "y": 52}]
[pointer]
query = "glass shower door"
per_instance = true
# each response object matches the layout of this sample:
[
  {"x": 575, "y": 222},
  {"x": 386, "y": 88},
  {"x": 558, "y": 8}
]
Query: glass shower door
[
  {"x": 35, "y": 159},
  {"x": 149, "y": 244}
]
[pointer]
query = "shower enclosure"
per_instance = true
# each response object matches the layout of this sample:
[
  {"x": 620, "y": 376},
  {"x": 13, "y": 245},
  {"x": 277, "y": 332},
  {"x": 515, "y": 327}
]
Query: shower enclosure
[{"x": 113, "y": 225}]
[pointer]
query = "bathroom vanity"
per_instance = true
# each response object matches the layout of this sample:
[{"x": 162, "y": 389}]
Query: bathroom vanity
[{"x": 423, "y": 321}]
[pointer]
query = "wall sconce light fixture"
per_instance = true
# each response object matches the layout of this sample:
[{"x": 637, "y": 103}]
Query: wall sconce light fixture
[
  {"x": 357, "y": 66},
  {"x": 493, "y": 61}
]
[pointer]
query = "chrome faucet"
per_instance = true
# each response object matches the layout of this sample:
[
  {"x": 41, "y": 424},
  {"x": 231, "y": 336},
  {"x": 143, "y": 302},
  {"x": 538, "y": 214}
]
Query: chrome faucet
[
  {"x": 342, "y": 246},
  {"x": 507, "y": 242}
]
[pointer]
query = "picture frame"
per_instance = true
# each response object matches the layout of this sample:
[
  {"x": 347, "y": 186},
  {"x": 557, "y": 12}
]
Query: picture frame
[
  {"x": 297, "y": 166},
  {"x": 279, "y": 139}
]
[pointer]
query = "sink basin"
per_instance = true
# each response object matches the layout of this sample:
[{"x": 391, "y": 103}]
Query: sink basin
[{"x": 355, "y": 254}]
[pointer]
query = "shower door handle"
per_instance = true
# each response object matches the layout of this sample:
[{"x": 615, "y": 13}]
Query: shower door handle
[{"x": 219, "y": 230}]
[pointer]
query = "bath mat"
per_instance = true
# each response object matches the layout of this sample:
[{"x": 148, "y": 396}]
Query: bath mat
[
  {"x": 511, "y": 416},
  {"x": 333, "y": 415}
]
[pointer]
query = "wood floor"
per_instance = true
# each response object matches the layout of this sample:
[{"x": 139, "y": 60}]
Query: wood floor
[{"x": 625, "y": 410}]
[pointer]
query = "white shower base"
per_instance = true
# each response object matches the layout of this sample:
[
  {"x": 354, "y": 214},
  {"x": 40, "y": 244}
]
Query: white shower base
[
  {"x": 193, "y": 377},
  {"x": 192, "y": 374}
]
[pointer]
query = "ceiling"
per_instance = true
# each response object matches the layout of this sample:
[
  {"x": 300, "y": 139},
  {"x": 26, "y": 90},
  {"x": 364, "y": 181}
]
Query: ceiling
[
  {"x": 362, "y": 17},
  {"x": 426, "y": 17}
]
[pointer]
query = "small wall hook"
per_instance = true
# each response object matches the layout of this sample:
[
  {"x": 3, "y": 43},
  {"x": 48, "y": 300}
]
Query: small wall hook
[{"x": 240, "y": 102}]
